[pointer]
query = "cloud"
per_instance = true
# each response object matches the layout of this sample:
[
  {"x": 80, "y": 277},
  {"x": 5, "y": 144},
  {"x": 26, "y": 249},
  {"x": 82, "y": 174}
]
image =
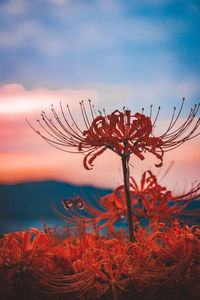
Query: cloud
[
  {"x": 189, "y": 87},
  {"x": 109, "y": 6},
  {"x": 14, "y": 99},
  {"x": 59, "y": 2},
  {"x": 157, "y": 3},
  {"x": 94, "y": 35},
  {"x": 14, "y": 7},
  {"x": 83, "y": 36},
  {"x": 61, "y": 33},
  {"x": 31, "y": 33}
]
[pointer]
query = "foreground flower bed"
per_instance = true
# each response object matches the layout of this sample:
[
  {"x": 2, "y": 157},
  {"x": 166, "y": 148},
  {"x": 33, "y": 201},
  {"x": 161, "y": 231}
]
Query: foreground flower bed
[{"x": 163, "y": 263}]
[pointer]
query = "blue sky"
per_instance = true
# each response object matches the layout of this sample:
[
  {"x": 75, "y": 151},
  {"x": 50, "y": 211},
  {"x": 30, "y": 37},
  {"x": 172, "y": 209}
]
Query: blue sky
[{"x": 107, "y": 45}]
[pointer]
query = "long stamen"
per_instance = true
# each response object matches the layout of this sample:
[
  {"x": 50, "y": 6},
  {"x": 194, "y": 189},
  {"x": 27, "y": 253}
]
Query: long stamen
[
  {"x": 91, "y": 109},
  {"x": 178, "y": 115},
  {"x": 158, "y": 111},
  {"x": 94, "y": 110},
  {"x": 56, "y": 130},
  {"x": 83, "y": 115},
  {"x": 99, "y": 111},
  {"x": 72, "y": 121},
  {"x": 104, "y": 111},
  {"x": 70, "y": 131},
  {"x": 86, "y": 115},
  {"x": 151, "y": 106},
  {"x": 55, "y": 135},
  {"x": 183, "y": 128},
  {"x": 170, "y": 124},
  {"x": 70, "y": 114}
]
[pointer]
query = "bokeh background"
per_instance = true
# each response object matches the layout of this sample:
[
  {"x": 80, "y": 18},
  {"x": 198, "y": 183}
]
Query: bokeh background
[{"x": 116, "y": 53}]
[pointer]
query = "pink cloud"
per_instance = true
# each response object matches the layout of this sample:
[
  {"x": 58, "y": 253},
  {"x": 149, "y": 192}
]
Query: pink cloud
[{"x": 14, "y": 99}]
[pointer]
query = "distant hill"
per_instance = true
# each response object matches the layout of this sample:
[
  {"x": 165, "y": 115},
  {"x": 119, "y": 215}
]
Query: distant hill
[{"x": 32, "y": 200}]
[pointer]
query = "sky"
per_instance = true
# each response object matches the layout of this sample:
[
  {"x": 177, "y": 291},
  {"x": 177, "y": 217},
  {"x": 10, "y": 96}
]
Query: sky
[{"x": 116, "y": 53}]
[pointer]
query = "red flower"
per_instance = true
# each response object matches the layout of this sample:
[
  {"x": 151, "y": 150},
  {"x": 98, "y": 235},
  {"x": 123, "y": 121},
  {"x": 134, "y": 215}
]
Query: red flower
[
  {"x": 122, "y": 132},
  {"x": 157, "y": 203},
  {"x": 149, "y": 200}
]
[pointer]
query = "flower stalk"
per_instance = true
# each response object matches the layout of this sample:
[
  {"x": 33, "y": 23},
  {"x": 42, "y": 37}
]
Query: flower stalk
[{"x": 126, "y": 176}]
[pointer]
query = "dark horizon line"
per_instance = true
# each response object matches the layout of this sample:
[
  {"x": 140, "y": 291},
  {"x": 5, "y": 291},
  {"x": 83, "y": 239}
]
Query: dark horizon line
[{"x": 52, "y": 180}]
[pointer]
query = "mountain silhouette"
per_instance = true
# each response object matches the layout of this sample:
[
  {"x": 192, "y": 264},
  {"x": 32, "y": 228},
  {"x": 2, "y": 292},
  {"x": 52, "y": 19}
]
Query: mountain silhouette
[{"x": 33, "y": 200}]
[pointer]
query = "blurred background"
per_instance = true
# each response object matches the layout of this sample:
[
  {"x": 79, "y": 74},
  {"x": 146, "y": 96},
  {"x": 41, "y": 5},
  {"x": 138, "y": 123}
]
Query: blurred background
[{"x": 116, "y": 53}]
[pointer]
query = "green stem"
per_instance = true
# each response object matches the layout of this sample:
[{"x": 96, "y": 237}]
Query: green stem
[{"x": 128, "y": 198}]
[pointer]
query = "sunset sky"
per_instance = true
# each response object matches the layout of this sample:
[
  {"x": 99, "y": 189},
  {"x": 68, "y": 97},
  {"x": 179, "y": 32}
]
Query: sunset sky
[{"x": 116, "y": 53}]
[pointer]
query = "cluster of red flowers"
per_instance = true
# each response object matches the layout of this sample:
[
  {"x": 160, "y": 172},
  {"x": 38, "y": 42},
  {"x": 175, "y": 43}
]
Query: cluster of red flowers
[{"x": 164, "y": 262}]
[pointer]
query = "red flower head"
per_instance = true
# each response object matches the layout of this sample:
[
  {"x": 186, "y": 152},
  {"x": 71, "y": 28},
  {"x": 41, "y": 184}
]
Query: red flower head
[{"x": 122, "y": 132}]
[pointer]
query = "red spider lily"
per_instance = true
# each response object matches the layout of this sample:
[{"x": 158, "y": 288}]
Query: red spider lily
[
  {"x": 23, "y": 250},
  {"x": 149, "y": 200},
  {"x": 157, "y": 203},
  {"x": 98, "y": 271},
  {"x": 25, "y": 254},
  {"x": 122, "y": 132}
]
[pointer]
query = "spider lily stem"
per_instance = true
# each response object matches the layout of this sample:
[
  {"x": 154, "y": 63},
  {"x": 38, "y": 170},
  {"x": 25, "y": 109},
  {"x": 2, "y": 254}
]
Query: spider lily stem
[{"x": 128, "y": 198}]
